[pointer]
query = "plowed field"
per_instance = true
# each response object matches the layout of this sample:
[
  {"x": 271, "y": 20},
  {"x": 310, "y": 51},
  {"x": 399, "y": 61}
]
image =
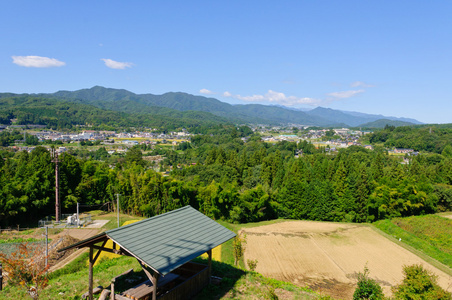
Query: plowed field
[{"x": 327, "y": 256}]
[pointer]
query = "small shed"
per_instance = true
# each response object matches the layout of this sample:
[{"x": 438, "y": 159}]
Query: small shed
[{"x": 163, "y": 245}]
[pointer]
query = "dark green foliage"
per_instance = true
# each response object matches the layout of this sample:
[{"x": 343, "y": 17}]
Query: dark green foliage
[
  {"x": 427, "y": 138},
  {"x": 7, "y": 138},
  {"x": 134, "y": 156},
  {"x": 58, "y": 114},
  {"x": 228, "y": 179},
  {"x": 31, "y": 140},
  {"x": 368, "y": 288},
  {"x": 419, "y": 284}
]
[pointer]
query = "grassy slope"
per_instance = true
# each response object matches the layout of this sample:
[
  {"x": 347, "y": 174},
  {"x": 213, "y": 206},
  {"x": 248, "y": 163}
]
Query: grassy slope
[{"x": 429, "y": 237}]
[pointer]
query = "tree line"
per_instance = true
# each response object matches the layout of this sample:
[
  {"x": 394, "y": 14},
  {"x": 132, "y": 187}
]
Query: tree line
[
  {"x": 226, "y": 178},
  {"x": 426, "y": 138}
]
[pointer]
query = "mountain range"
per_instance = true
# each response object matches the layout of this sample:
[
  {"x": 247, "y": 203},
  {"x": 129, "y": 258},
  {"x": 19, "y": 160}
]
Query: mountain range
[{"x": 125, "y": 101}]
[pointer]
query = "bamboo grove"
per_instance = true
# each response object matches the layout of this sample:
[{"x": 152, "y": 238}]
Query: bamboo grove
[{"x": 226, "y": 178}]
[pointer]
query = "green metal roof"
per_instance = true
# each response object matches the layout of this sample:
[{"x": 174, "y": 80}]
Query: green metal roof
[{"x": 167, "y": 241}]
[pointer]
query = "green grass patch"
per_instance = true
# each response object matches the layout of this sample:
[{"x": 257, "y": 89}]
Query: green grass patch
[
  {"x": 430, "y": 235},
  {"x": 20, "y": 240},
  {"x": 112, "y": 217},
  {"x": 71, "y": 281},
  {"x": 431, "y": 228}
]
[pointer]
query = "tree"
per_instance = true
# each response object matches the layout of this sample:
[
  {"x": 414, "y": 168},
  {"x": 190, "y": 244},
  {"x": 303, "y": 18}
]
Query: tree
[
  {"x": 447, "y": 151},
  {"x": 419, "y": 284},
  {"x": 31, "y": 139},
  {"x": 238, "y": 245},
  {"x": 134, "y": 155},
  {"x": 367, "y": 288},
  {"x": 26, "y": 268}
]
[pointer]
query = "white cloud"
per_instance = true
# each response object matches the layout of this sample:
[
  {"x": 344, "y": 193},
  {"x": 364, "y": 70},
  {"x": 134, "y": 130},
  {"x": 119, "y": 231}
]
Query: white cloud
[
  {"x": 206, "y": 91},
  {"x": 275, "y": 97},
  {"x": 116, "y": 64},
  {"x": 360, "y": 83},
  {"x": 33, "y": 61},
  {"x": 345, "y": 94}
]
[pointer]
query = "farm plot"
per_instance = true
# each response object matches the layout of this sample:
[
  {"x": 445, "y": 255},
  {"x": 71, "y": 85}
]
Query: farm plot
[{"x": 327, "y": 256}]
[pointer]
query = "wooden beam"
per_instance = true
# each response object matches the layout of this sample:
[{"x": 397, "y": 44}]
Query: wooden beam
[
  {"x": 99, "y": 251},
  {"x": 121, "y": 251},
  {"x": 105, "y": 249}
]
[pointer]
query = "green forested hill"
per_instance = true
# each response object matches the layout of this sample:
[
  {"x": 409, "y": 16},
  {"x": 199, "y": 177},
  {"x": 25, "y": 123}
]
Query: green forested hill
[
  {"x": 125, "y": 101},
  {"x": 431, "y": 138},
  {"x": 385, "y": 122},
  {"x": 122, "y": 100},
  {"x": 62, "y": 114}
]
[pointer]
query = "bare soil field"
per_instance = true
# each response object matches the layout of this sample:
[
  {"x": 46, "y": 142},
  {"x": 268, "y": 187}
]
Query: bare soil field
[{"x": 327, "y": 256}]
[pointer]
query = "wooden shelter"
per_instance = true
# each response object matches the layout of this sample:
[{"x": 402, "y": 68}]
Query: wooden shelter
[{"x": 164, "y": 245}]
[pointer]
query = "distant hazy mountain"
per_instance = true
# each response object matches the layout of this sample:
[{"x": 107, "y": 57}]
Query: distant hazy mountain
[
  {"x": 354, "y": 118},
  {"x": 378, "y": 117},
  {"x": 381, "y": 123},
  {"x": 125, "y": 101}
]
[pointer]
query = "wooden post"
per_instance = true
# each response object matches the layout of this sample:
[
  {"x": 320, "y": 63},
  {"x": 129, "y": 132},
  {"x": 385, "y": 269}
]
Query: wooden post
[
  {"x": 209, "y": 253},
  {"x": 112, "y": 295},
  {"x": 155, "y": 279},
  {"x": 91, "y": 263}
]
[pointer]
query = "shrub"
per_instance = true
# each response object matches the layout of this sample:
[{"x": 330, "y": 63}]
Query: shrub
[
  {"x": 419, "y": 284},
  {"x": 367, "y": 288},
  {"x": 252, "y": 264}
]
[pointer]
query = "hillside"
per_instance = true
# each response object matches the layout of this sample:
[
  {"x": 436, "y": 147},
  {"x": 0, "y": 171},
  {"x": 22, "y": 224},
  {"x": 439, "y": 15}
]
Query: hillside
[
  {"x": 57, "y": 113},
  {"x": 126, "y": 101},
  {"x": 372, "y": 117},
  {"x": 431, "y": 139},
  {"x": 381, "y": 123}
]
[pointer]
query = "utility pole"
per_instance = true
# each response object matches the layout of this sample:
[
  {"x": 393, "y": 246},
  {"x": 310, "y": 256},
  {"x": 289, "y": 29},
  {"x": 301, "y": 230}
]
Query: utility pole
[
  {"x": 117, "y": 206},
  {"x": 57, "y": 186},
  {"x": 78, "y": 218}
]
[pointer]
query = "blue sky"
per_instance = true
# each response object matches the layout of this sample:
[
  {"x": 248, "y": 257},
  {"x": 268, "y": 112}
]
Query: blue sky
[{"x": 382, "y": 57}]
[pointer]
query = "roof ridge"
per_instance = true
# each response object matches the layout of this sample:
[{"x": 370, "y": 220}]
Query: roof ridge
[{"x": 148, "y": 219}]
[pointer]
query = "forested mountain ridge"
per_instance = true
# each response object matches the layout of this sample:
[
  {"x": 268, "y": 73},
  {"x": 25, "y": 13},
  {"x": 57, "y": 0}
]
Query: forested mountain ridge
[
  {"x": 372, "y": 117},
  {"x": 359, "y": 119},
  {"x": 381, "y": 123},
  {"x": 59, "y": 114},
  {"x": 125, "y": 101}
]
